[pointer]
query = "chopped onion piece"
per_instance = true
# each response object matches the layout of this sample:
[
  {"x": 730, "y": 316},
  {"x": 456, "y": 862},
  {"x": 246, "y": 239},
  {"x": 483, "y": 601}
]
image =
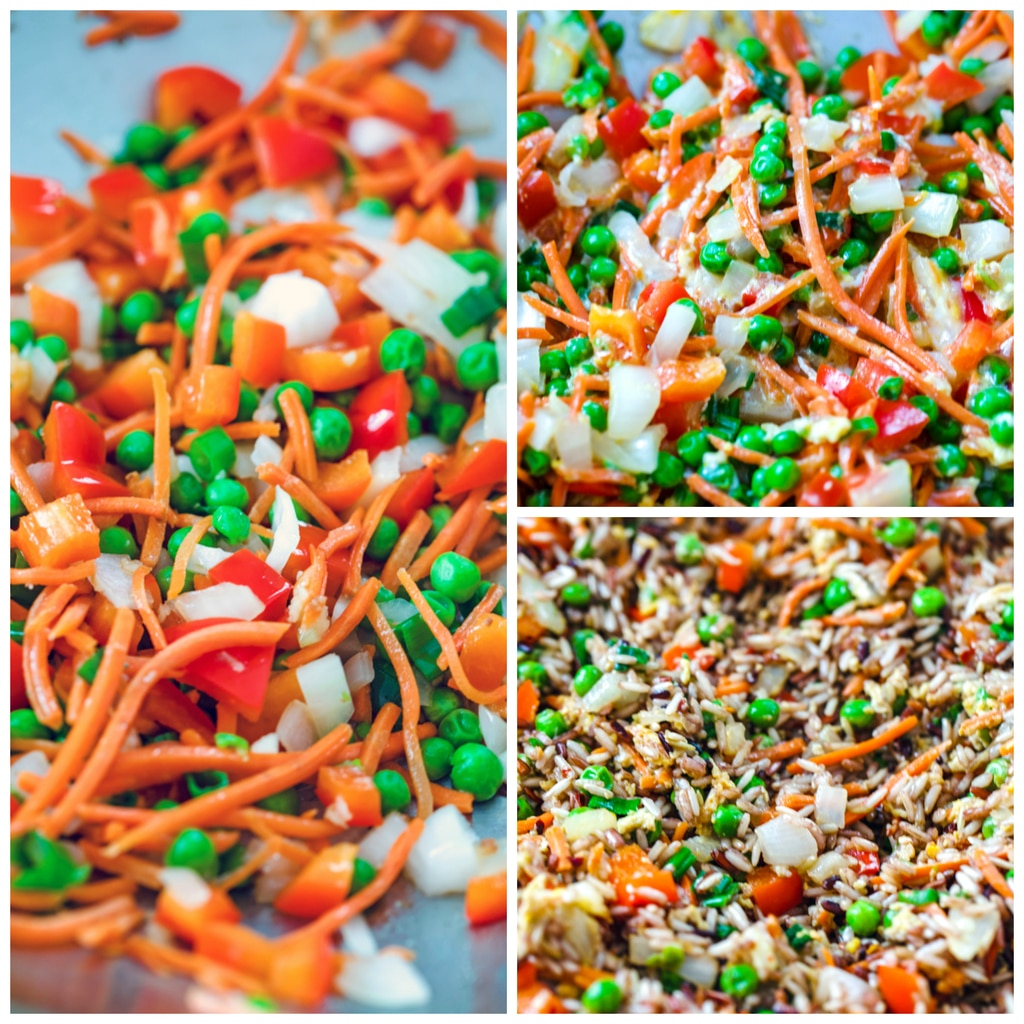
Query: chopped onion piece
[
  {"x": 357, "y": 937},
  {"x": 634, "y": 396},
  {"x": 876, "y": 193},
  {"x": 203, "y": 559},
  {"x": 688, "y": 98},
  {"x": 724, "y": 226},
  {"x": 640, "y": 455},
  {"x": 373, "y": 136},
  {"x": 637, "y": 247},
  {"x": 579, "y": 183},
  {"x": 821, "y": 133},
  {"x": 572, "y": 440},
  {"x": 729, "y": 168},
  {"x": 277, "y": 205},
  {"x": 527, "y": 361},
  {"x": 608, "y": 693},
  {"x": 112, "y": 577},
  {"x": 997, "y": 78},
  {"x": 908, "y": 23},
  {"x": 588, "y": 822},
  {"x": 830, "y": 863},
  {"x": 185, "y": 887},
  {"x": 985, "y": 240},
  {"x": 386, "y": 468},
  {"x": 300, "y": 304},
  {"x": 296, "y": 729},
  {"x": 359, "y": 671},
  {"x": 35, "y": 763},
  {"x": 830, "y": 807},
  {"x": 71, "y": 281},
  {"x": 377, "y": 843},
  {"x": 736, "y": 279},
  {"x": 269, "y": 744},
  {"x": 672, "y": 334},
  {"x": 731, "y": 333},
  {"x": 44, "y": 373},
  {"x": 933, "y": 213},
  {"x": 494, "y": 729},
  {"x": 888, "y": 487},
  {"x": 444, "y": 858},
  {"x": 266, "y": 450},
  {"x": 417, "y": 449},
  {"x": 326, "y": 692},
  {"x": 214, "y": 602},
  {"x": 385, "y": 981},
  {"x": 286, "y": 531},
  {"x": 496, "y": 413},
  {"x": 786, "y": 843}
]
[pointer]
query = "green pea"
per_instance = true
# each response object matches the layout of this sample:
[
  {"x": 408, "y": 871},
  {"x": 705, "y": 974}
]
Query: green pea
[
  {"x": 134, "y": 451},
  {"x": 752, "y": 50},
  {"x": 770, "y": 264},
  {"x": 140, "y": 308},
  {"x": 999, "y": 770},
  {"x": 989, "y": 402},
  {"x": 146, "y": 143},
  {"x": 766, "y": 168},
  {"x": 752, "y": 437},
  {"x": 54, "y": 346},
  {"x": 187, "y": 492},
  {"x": 837, "y": 593},
  {"x": 715, "y": 258},
  {"x": 950, "y": 461},
  {"x": 935, "y": 29},
  {"x": 787, "y": 442},
  {"x": 284, "y": 802},
  {"x": 946, "y": 259},
  {"x": 448, "y": 419},
  {"x": 26, "y": 726},
  {"x": 602, "y": 996},
  {"x": 763, "y": 712},
  {"x": 739, "y": 980},
  {"x": 725, "y": 820},
  {"x": 476, "y": 770},
  {"x": 403, "y": 350},
  {"x": 116, "y": 540},
  {"x": 442, "y": 702},
  {"x": 764, "y": 332},
  {"x": 661, "y": 119},
  {"x": 439, "y": 517},
  {"x": 536, "y": 463},
  {"x": 585, "y": 679},
  {"x": 454, "y": 576},
  {"x": 477, "y": 366},
  {"x": 437, "y": 757},
  {"x": 194, "y": 849},
  {"x": 597, "y": 240},
  {"x": 17, "y": 506},
  {"x": 863, "y": 917},
  {"x": 363, "y": 873},
  {"x": 579, "y": 641},
  {"x": 858, "y": 713},
  {"x": 854, "y": 252},
  {"x": 394, "y": 791},
  {"x": 226, "y": 492},
  {"x": 927, "y": 601},
  {"x": 602, "y": 270},
  {"x": 550, "y": 722},
  {"x": 994, "y": 370},
  {"x": 21, "y": 334},
  {"x": 248, "y": 401},
  {"x": 809, "y": 72},
  {"x": 528, "y": 122},
  {"x": 783, "y": 474},
  {"x": 578, "y": 350},
  {"x": 613, "y": 34},
  {"x": 232, "y": 524},
  {"x": 597, "y": 414},
  {"x": 669, "y": 471},
  {"x": 899, "y": 533},
  {"x": 460, "y": 726},
  {"x": 384, "y": 539},
  {"x": 63, "y": 391},
  {"x": 576, "y": 594},
  {"x": 832, "y": 106}
]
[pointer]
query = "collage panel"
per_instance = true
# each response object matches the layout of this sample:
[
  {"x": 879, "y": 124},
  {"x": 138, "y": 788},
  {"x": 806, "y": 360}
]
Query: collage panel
[
  {"x": 258, "y": 511},
  {"x": 765, "y": 765},
  {"x": 765, "y": 258}
]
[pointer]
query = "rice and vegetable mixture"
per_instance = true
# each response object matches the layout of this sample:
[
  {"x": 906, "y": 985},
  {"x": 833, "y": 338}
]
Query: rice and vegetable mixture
[{"x": 765, "y": 765}]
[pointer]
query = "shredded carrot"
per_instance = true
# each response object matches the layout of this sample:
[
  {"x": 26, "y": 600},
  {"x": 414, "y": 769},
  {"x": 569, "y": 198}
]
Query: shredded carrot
[
  {"x": 795, "y": 597},
  {"x": 377, "y": 737},
  {"x": 892, "y": 732}
]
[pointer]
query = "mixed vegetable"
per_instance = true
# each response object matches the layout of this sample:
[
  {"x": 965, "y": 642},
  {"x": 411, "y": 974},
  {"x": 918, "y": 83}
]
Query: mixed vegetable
[
  {"x": 759, "y": 279},
  {"x": 257, "y": 510}
]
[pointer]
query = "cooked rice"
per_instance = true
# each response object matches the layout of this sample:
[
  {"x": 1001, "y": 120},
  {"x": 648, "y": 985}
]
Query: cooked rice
[{"x": 670, "y": 742}]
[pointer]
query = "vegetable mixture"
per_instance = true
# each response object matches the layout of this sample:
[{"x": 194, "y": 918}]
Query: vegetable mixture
[
  {"x": 257, "y": 509},
  {"x": 760, "y": 278},
  {"x": 765, "y": 766}
]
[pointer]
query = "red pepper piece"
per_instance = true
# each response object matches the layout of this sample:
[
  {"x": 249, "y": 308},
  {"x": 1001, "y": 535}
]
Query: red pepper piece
[
  {"x": 380, "y": 414},
  {"x": 951, "y": 87},
  {"x": 850, "y": 392},
  {"x": 658, "y": 296},
  {"x": 191, "y": 93},
  {"x": 824, "y": 491},
  {"x": 536, "y": 199},
  {"x": 620, "y": 129},
  {"x": 244, "y": 568},
  {"x": 479, "y": 465},
  {"x": 415, "y": 492},
  {"x": 39, "y": 210},
  {"x": 899, "y": 423},
  {"x": 115, "y": 191},
  {"x": 700, "y": 59},
  {"x": 287, "y": 153}
]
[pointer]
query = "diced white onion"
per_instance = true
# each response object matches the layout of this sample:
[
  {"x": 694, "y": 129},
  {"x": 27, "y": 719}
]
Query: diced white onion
[
  {"x": 385, "y": 981},
  {"x": 638, "y": 249},
  {"x": 731, "y": 333},
  {"x": 888, "y": 487},
  {"x": 444, "y": 858},
  {"x": 724, "y": 226},
  {"x": 274, "y": 876},
  {"x": 640, "y": 455},
  {"x": 785, "y": 843},
  {"x": 372, "y": 230},
  {"x": 741, "y": 127},
  {"x": 572, "y": 441},
  {"x": 359, "y": 671},
  {"x": 528, "y": 363},
  {"x": 234, "y": 600},
  {"x": 496, "y": 413},
  {"x": 185, "y": 887},
  {"x": 326, "y": 691},
  {"x": 737, "y": 372},
  {"x": 203, "y": 559},
  {"x": 986, "y": 240},
  {"x": 571, "y": 127},
  {"x": 688, "y": 98},
  {"x": 588, "y": 822},
  {"x": 634, "y": 396},
  {"x": 837, "y": 990},
  {"x": 997, "y": 78},
  {"x": 44, "y": 373},
  {"x": 296, "y": 729},
  {"x": 830, "y": 863},
  {"x": 830, "y": 807},
  {"x": 908, "y": 23},
  {"x": 112, "y": 577},
  {"x": 494, "y": 729},
  {"x": 938, "y": 299},
  {"x": 32, "y": 763},
  {"x": 874, "y": 193},
  {"x": 373, "y": 136},
  {"x": 357, "y": 937},
  {"x": 416, "y": 450},
  {"x": 700, "y": 970},
  {"x": 269, "y": 744},
  {"x": 286, "y": 531},
  {"x": 266, "y": 450},
  {"x": 556, "y": 54},
  {"x": 608, "y": 693},
  {"x": 272, "y": 205},
  {"x": 580, "y": 183},
  {"x": 933, "y": 213},
  {"x": 673, "y": 333},
  {"x": 300, "y": 304},
  {"x": 377, "y": 843},
  {"x": 385, "y": 469},
  {"x": 972, "y": 930},
  {"x": 736, "y": 280},
  {"x": 821, "y": 133},
  {"x": 728, "y": 171}
]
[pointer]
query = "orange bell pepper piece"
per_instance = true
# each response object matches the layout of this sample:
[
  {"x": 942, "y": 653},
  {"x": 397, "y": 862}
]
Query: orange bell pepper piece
[
  {"x": 322, "y": 884},
  {"x": 970, "y": 346},
  {"x": 440, "y": 228},
  {"x": 235, "y": 946},
  {"x": 690, "y": 379},
  {"x": 189, "y": 922},
  {"x": 483, "y": 653},
  {"x": 486, "y": 899},
  {"x": 902, "y": 989},
  {"x": 58, "y": 534},
  {"x": 329, "y": 368},
  {"x": 632, "y": 871},
  {"x": 53, "y": 314},
  {"x": 480, "y": 465},
  {"x": 210, "y": 398},
  {"x": 640, "y": 169},
  {"x": 776, "y": 893},
  {"x": 128, "y": 388},
  {"x": 341, "y": 484},
  {"x": 622, "y": 326},
  {"x": 735, "y": 560},
  {"x": 527, "y": 702},
  {"x": 398, "y": 100},
  {"x": 301, "y": 969},
  {"x": 257, "y": 350},
  {"x": 282, "y": 689},
  {"x": 355, "y": 788}
]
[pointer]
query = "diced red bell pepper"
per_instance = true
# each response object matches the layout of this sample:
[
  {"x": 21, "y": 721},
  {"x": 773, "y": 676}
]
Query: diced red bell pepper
[
  {"x": 482, "y": 464},
  {"x": 658, "y": 296},
  {"x": 738, "y": 86},
  {"x": 700, "y": 60},
  {"x": 866, "y": 860},
  {"x": 88, "y": 481},
  {"x": 621, "y": 129},
  {"x": 973, "y": 307},
  {"x": 287, "y": 153},
  {"x": 441, "y": 128},
  {"x": 356, "y": 789},
  {"x": 153, "y": 227},
  {"x": 855, "y": 77},
  {"x": 187, "y": 94},
  {"x": 380, "y": 414},
  {"x": 870, "y": 167},
  {"x": 244, "y": 568},
  {"x": 536, "y": 199},
  {"x": 899, "y": 423},
  {"x": 735, "y": 559},
  {"x": 823, "y": 491},
  {"x": 19, "y": 695},
  {"x": 114, "y": 192},
  {"x": 872, "y": 374},
  {"x": 415, "y": 492},
  {"x": 39, "y": 210},
  {"x": 850, "y": 392},
  {"x": 71, "y": 436},
  {"x": 632, "y": 871},
  {"x": 898, "y": 123},
  {"x": 951, "y": 87},
  {"x": 337, "y": 564},
  {"x": 238, "y": 676}
]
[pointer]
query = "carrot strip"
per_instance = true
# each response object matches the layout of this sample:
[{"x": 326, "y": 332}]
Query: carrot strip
[
  {"x": 405, "y": 550},
  {"x": 792, "y": 600},
  {"x": 29, "y": 931},
  {"x": 300, "y": 436},
  {"x": 907, "y": 559},
  {"x": 377, "y": 737},
  {"x": 893, "y": 732}
]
